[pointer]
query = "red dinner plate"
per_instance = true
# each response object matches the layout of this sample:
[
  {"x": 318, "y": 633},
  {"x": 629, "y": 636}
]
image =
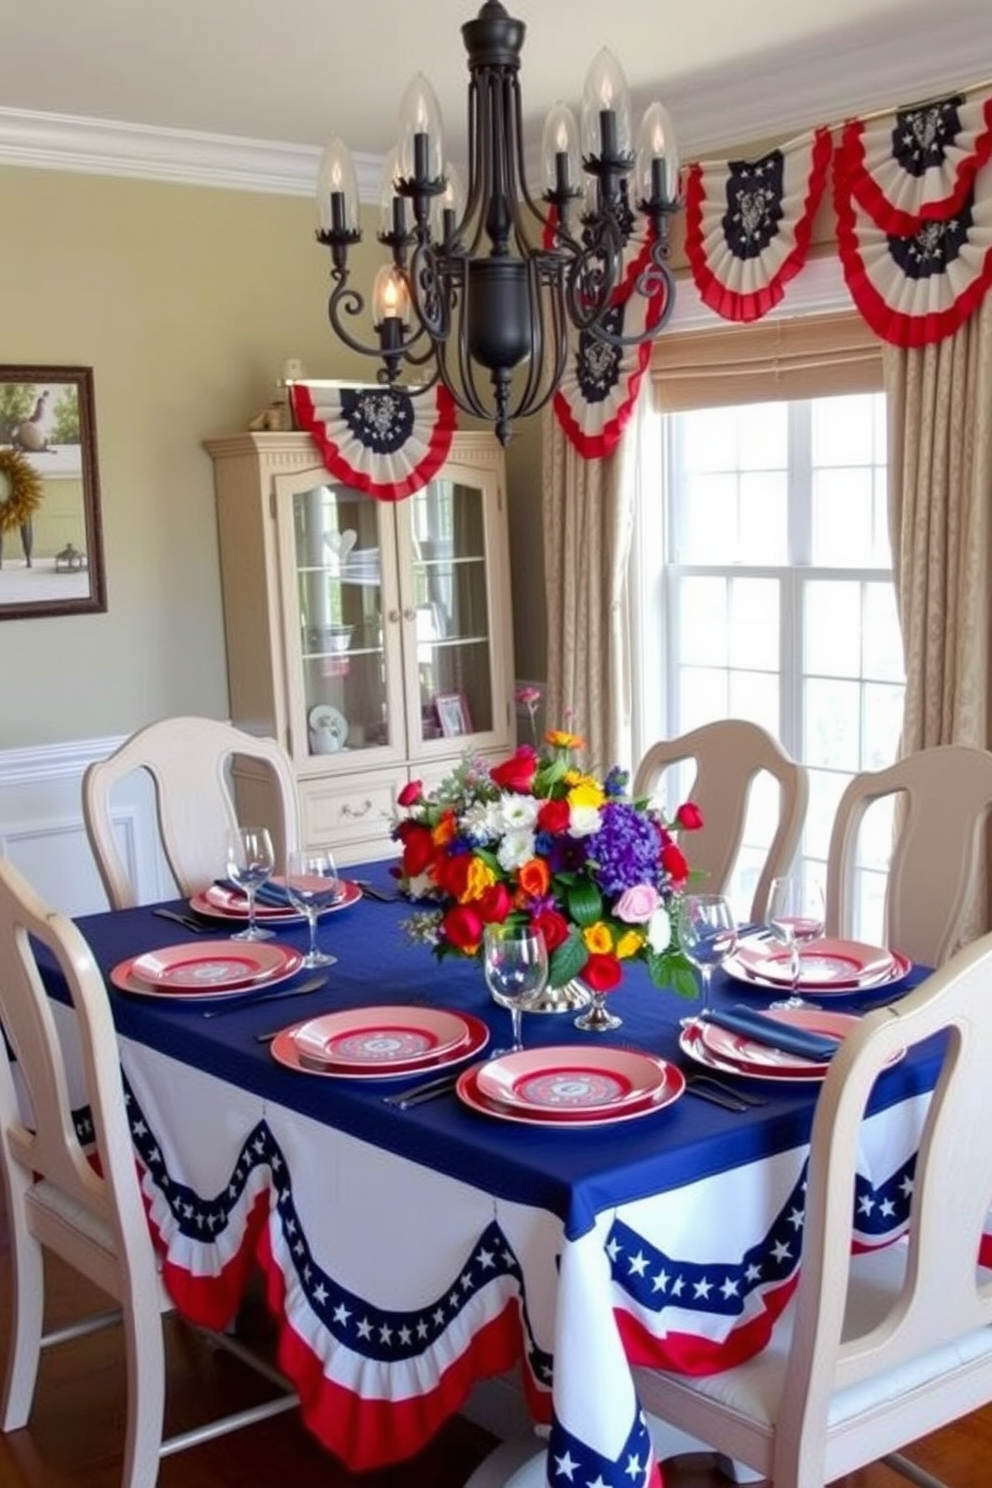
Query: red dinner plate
[
  {"x": 286, "y": 1051},
  {"x": 220, "y": 903},
  {"x": 828, "y": 967},
  {"x": 382, "y": 1037},
  {"x": 557, "y": 1117},
  {"x": 215, "y": 968},
  {"x": 572, "y": 1082}
]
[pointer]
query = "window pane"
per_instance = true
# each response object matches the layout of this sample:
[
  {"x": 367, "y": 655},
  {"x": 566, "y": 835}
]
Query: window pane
[
  {"x": 702, "y": 612},
  {"x": 754, "y": 623},
  {"x": 709, "y": 529},
  {"x": 764, "y": 518},
  {"x": 833, "y": 724},
  {"x": 764, "y": 436},
  {"x": 883, "y": 656},
  {"x": 833, "y": 628},
  {"x": 843, "y": 518}
]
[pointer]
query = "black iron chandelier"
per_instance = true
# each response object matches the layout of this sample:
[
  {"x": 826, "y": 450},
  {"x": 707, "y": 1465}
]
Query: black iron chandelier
[{"x": 480, "y": 290}]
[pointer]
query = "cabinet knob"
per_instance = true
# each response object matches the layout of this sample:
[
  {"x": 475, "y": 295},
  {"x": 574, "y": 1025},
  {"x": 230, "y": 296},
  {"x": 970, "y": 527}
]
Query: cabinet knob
[
  {"x": 356, "y": 811},
  {"x": 393, "y": 617},
  {"x": 409, "y": 613}
]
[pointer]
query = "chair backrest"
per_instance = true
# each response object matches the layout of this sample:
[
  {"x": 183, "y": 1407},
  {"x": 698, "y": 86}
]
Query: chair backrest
[
  {"x": 945, "y": 797},
  {"x": 944, "y": 1295},
  {"x": 36, "y": 1122},
  {"x": 729, "y": 755},
  {"x": 189, "y": 761}
]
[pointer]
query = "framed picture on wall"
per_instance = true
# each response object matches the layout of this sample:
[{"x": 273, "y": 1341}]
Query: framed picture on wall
[
  {"x": 51, "y": 544},
  {"x": 453, "y": 714}
]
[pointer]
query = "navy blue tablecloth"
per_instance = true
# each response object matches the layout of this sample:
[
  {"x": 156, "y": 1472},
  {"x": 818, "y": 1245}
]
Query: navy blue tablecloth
[{"x": 573, "y": 1173}]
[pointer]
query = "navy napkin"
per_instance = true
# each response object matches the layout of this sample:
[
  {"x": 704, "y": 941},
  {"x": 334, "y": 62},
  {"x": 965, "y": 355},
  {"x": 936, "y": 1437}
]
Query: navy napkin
[
  {"x": 786, "y": 1037},
  {"x": 272, "y": 894}
]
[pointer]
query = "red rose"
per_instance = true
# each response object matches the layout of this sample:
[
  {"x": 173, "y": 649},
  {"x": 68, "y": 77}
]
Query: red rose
[
  {"x": 452, "y": 873},
  {"x": 602, "y": 973},
  {"x": 462, "y": 927},
  {"x": 553, "y": 926},
  {"x": 689, "y": 816},
  {"x": 517, "y": 773},
  {"x": 411, "y": 793},
  {"x": 495, "y": 904},
  {"x": 554, "y": 816},
  {"x": 674, "y": 863},
  {"x": 418, "y": 851}
]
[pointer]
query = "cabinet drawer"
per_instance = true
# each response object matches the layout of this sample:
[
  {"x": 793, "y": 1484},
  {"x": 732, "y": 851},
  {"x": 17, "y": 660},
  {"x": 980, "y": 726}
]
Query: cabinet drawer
[{"x": 359, "y": 808}]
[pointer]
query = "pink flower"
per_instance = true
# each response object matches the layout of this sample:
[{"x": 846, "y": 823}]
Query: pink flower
[
  {"x": 636, "y": 906},
  {"x": 529, "y": 696}
]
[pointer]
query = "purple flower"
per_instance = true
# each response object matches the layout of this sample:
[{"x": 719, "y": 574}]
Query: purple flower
[{"x": 625, "y": 850}]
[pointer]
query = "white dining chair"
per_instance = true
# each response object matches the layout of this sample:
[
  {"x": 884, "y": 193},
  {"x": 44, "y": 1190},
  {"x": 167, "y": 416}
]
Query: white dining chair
[
  {"x": 875, "y": 1349},
  {"x": 88, "y": 1213},
  {"x": 943, "y": 798},
  {"x": 730, "y": 755},
  {"x": 190, "y": 761}
]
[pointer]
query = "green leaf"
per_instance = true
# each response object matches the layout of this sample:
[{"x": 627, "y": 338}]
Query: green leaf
[
  {"x": 670, "y": 969},
  {"x": 567, "y": 960},
  {"x": 585, "y": 903}
]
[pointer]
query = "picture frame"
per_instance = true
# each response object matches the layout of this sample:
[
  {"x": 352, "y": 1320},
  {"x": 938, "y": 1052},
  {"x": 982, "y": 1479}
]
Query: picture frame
[
  {"x": 51, "y": 536},
  {"x": 452, "y": 714}
]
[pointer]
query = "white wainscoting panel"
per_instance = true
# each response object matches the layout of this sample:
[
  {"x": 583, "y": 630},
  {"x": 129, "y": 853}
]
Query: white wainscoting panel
[{"x": 42, "y": 832}]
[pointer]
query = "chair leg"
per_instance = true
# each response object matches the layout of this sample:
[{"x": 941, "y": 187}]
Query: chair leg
[
  {"x": 28, "y": 1303},
  {"x": 145, "y": 1354}
]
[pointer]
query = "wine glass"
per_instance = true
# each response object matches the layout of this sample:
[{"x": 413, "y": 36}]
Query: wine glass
[
  {"x": 707, "y": 936},
  {"x": 250, "y": 862},
  {"x": 515, "y": 962},
  {"x": 313, "y": 884},
  {"x": 795, "y": 917}
]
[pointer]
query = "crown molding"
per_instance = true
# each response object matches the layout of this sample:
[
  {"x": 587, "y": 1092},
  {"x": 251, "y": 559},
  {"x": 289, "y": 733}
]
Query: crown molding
[{"x": 107, "y": 148}]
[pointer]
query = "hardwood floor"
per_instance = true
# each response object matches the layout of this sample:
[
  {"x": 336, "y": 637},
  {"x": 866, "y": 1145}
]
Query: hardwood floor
[{"x": 73, "y": 1439}]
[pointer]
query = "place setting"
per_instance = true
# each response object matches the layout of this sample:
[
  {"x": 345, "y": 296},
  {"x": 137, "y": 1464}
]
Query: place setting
[
  {"x": 207, "y": 969},
  {"x": 380, "y": 1042}
]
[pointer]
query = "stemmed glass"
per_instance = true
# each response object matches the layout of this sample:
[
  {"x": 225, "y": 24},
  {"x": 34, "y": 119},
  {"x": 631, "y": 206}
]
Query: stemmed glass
[
  {"x": 250, "y": 862},
  {"x": 313, "y": 884},
  {"x": 515, "y": 962},
  {"x": 707, "y": 936},
  {"x": 795, "y": 917}
]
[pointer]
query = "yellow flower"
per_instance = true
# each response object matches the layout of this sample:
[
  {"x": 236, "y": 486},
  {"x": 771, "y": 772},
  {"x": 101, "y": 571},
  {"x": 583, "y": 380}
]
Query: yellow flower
[
  {"x": 587, "y": 791},
  {"x": 629, "y": 944},
  {"x": 480, "y": 878},
  {"x": 559, "y": 739},
  {"x": 598, "y": 940}
]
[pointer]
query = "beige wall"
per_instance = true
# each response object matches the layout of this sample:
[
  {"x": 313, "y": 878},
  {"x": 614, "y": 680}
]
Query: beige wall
[{"x": 185, "y": 301}]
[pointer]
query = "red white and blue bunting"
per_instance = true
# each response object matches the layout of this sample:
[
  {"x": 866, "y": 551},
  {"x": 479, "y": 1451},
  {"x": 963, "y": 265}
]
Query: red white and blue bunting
[
  {"x": 384, "y": 441},
  {"x": 914, "y": 220},
  {"x": 748, "y": 224},
  {"x": 599, "y": 387}
]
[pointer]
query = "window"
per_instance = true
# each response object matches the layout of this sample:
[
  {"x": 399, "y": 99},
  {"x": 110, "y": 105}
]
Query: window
[{"x": 766, "y": 593}]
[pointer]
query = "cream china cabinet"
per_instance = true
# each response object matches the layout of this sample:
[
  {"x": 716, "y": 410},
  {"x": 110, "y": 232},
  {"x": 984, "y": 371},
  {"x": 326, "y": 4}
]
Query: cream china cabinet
[{"x": 372, "y": 638}]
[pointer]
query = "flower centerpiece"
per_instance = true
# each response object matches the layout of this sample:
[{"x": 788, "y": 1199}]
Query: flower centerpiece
[{"x": 539, "y": 840}]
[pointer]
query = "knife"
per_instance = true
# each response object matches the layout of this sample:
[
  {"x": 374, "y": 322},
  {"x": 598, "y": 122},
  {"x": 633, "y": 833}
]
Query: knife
[
  {"x": 250, "y": 999},
  {"x": 424, "y": 1092}
]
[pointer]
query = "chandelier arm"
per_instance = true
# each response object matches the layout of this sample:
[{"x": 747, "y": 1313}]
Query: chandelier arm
[{"x": 594, "y": 273}]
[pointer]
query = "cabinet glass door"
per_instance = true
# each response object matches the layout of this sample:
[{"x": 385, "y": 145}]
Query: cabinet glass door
[
  {"x": 450, "y": 594},
  {"x": 338, "y": 578}
]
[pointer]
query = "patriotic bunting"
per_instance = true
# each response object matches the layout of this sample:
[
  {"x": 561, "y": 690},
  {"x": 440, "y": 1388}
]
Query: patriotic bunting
[
  {"x": 599, "y": 388},
  {"x": 748, "y": 224},
  {"x": 384, "y": 441},
  {"x": 920, "y": 165},
  {"x": 916, "y": 288}
]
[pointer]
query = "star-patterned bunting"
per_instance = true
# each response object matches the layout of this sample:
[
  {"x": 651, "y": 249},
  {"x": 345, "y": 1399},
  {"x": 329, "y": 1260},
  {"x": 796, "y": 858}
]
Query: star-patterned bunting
[{"x": 384, "y": 441}]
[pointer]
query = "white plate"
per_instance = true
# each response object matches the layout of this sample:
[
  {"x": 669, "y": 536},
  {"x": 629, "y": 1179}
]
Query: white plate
[
  {"x": 468, "y": 1092},
  {"x": 222, "y": 968},
  {"x": 329, "y": 725},
  {"x": 286, "y": 1051}
]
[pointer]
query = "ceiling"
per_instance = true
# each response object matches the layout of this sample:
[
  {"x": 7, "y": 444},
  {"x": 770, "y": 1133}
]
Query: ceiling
[{"x": 297, "y": 71}]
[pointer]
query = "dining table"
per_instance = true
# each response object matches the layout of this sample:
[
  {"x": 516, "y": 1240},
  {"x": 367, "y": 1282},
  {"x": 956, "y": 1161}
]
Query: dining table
[{"x": 410, "y": 1252}]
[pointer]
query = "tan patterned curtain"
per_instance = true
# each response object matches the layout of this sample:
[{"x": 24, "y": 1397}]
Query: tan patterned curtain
[
  {"x": 940, "y": 512},
  {"x": 588, "y": 510}
]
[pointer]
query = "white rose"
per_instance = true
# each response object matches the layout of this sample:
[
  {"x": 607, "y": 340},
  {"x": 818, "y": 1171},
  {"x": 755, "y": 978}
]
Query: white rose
[
  {"x": 583, "y": 821},
  {"x": 660, "y": 930},
  {"x": 518, "y": 813},
  {"x": 516, "y": 849}
]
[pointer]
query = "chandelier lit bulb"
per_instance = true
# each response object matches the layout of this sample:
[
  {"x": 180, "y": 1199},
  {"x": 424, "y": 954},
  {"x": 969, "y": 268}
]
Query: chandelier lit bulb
[{"x": 482, "y": 286}]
